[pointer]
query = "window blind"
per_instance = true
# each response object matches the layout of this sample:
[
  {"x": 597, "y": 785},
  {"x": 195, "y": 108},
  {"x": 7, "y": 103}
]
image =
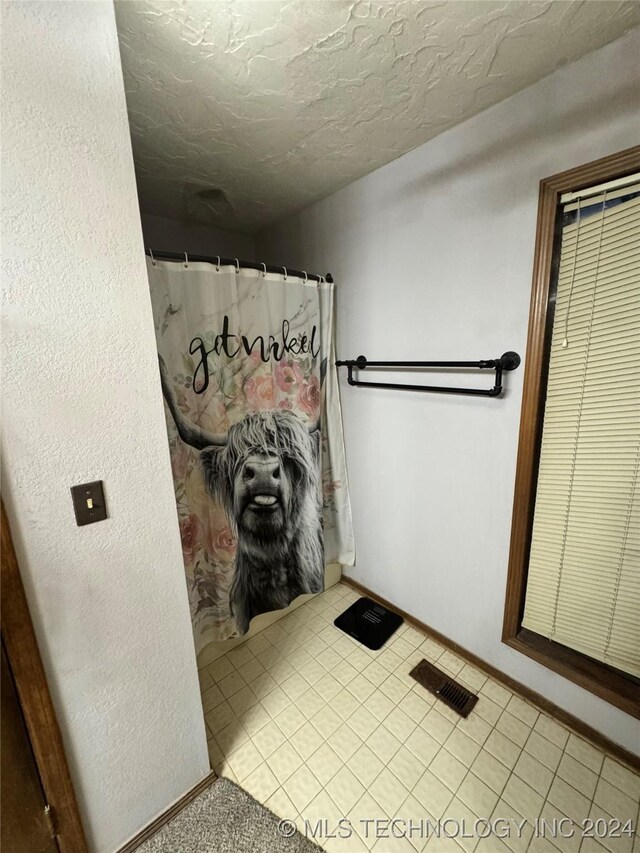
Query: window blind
[{"x": 583, "y": 586}]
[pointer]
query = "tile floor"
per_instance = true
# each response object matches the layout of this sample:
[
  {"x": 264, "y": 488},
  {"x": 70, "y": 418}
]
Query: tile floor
[{"x": 317, "y": 727}]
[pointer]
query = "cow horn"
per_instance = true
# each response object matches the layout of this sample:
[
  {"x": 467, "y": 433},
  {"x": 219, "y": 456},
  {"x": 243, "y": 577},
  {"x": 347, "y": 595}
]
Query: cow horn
[{"x": 191, "y": 434}]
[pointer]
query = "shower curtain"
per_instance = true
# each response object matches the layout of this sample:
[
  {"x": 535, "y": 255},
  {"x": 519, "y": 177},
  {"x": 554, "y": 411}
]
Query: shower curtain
[{"x": 255, "y": 437}]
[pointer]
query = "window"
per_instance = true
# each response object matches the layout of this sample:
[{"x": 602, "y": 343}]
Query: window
[{"x": 573, "y": 596}]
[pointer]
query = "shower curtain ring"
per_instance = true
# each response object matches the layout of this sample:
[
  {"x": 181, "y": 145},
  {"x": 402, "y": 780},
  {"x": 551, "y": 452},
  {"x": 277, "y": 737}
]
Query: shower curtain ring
[
  {"x": 186, "y": 260},
  {"x": 285, "y": 273},
  {"x": 153, "y": 260},
  {"x": 305, "y": 276},
  {"x": 264, "y": 269},
  {"x": 237, "y": 265},
  {"x": 218, "y": 264}
]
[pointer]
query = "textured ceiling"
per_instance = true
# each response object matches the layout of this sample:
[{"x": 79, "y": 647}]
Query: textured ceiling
[{"x": 278, "y": 104}]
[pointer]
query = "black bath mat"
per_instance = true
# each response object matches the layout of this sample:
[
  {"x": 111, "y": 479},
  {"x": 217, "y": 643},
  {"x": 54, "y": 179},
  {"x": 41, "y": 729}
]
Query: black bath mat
[{"x": 369, "y": 623}]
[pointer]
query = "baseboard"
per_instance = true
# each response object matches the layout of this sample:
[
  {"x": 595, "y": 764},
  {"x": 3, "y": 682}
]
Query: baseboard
[
  {"x": 168, "y": 815},
  {"x": 582, "y": 728}
]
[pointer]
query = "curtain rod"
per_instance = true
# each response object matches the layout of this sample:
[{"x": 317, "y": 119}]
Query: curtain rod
[{"x": 234, "y": 262}]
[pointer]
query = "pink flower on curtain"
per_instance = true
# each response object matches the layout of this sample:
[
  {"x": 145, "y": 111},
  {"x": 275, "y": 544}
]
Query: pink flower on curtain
[
  {"x": 309, "y": 396},
  {"x": 260, "y": 392},
  {"x": 218, "y": 538},
  {"x": 180, "y": 455},
  {"x": 330, "y": 487},
  {"x": 286, "y": 404},
  {"x": 191, "y": 533},
  {"x": 225, "y": 545},
  {"x": 288, "y": 375}
]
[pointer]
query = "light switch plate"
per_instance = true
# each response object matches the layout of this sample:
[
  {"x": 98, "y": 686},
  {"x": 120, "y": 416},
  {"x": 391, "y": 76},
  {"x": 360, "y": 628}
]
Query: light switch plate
[{"x": 88, "y": 503}]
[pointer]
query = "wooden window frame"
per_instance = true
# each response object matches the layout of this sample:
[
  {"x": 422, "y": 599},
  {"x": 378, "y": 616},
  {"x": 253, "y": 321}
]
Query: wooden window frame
[{"x": 610, "y": 684}]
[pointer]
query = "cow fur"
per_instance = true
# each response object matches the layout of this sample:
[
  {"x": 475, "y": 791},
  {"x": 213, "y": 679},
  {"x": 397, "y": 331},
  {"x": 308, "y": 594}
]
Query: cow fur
[{"x": 280, "y": 553}]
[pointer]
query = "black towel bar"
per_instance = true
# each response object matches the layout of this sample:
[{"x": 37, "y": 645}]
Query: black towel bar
[{"x": 507, "y": 361}]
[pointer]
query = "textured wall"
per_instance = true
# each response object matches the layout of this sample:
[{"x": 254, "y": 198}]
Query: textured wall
[
  {"x": 432, "y": 256},
  {"x": 281, "y": 102},
  {"x": 82, "y": 401},
  {"x": 171, "y": 235}
]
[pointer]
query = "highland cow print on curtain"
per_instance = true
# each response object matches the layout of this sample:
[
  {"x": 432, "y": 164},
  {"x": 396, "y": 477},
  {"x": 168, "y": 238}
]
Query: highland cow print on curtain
[{"x": 255, "y": 437}]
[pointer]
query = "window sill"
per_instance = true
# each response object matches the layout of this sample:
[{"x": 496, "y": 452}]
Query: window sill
[{"x": 610, "y": 684}]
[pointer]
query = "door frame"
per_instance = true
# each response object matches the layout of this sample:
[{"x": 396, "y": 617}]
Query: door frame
[{"x": 35, "y": 702}]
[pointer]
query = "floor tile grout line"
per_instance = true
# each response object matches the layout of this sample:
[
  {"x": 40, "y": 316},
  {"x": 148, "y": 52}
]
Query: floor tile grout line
[
  {"x": 501, "y": 799},
  {"x": 522, "y": 748},
  {"x": 513, "y": 693},
  {"x": 345, "y": 653}
]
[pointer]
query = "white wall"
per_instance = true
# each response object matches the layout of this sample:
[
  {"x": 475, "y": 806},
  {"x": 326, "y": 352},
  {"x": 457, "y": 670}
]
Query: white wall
[
  {"x": 83, "y": 402},
  {"x": 433, "y": 256},
  {"x": 172, "y": 235}
]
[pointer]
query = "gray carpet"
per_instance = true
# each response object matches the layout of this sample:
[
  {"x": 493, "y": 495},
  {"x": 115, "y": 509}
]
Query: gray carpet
[{"x": 225, "y": 819}]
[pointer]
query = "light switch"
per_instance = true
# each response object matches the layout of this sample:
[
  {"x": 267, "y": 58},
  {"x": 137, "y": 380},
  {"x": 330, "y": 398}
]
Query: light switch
[{"x": 88, "y": 503}]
